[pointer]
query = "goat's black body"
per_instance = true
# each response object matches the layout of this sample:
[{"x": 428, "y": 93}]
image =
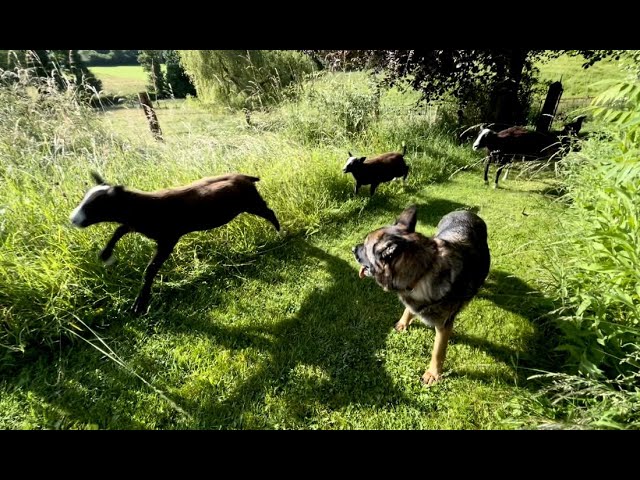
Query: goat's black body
[
  {"x": 376, "y": 170},
  {"x": 508, "y": 144},
  {"x": 166, "y": 215}
]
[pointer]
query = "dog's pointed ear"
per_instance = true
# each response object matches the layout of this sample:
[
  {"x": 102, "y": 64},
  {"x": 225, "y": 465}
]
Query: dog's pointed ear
[
  {"x": 97, "y": 178},
  {"x": 408, "y": 219}
]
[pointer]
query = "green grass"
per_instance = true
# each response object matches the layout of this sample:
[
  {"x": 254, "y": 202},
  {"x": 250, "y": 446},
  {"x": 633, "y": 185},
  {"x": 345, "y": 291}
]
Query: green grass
[
  {"x": 249, "y": 329},
  {"x": 578, "y": 81},
  {"x": 123, "y": 80}
]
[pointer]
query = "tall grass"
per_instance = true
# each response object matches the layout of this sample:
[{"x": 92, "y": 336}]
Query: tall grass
[{"x": 597, "y": 287}]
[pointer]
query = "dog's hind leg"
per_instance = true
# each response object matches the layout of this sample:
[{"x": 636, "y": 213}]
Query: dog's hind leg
[
  {"x": 406, "y": 319},
  {"x": 433, "y": 373}
]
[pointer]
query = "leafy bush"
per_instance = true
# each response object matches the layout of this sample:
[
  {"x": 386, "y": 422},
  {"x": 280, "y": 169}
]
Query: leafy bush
[
  {"x": 597, "y": 271},
  {"x": 244, "y": 78}
]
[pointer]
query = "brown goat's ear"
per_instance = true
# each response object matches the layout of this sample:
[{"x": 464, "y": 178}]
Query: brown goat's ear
[
  {"x": 350, "y": 154},
  {"x": 98, "y": 179},
  {"x": 408, "y": 219}
]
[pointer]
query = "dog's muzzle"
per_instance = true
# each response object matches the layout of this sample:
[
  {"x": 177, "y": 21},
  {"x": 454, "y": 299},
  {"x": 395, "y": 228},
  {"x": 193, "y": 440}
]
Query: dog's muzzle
[{"x": 364, "y": 269}]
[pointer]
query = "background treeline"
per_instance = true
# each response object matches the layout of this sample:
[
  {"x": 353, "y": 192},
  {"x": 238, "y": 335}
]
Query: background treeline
[{"x": 109, "y": 57}]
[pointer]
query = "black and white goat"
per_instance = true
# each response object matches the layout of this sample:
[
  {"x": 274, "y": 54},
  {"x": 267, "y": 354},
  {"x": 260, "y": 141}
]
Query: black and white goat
[
  {"x": 506, "y": 145},
  {"x": 166, "y": 215},
  {"x": 376, "y": 170}
]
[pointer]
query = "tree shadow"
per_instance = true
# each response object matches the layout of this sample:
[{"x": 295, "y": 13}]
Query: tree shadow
[
  {"x": 336, "y": 335},
  {"x": 512, "y": 294}
]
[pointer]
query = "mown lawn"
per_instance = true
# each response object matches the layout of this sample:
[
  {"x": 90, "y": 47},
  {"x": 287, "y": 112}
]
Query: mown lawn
[{"x": 122, "y": 80}]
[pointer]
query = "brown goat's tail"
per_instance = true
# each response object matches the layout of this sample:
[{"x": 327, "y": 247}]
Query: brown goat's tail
[{"x": 251, "y": 179}]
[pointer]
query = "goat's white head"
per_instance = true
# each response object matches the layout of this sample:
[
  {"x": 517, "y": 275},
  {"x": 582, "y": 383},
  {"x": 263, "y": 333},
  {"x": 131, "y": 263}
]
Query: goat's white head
[
  {"x": 351, "y": 163},
  {"x": 96, "y": 206},
  {"x": 479, "y": 141}
]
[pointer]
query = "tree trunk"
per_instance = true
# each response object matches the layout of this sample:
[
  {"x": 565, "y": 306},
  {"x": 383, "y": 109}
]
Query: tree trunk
[
  {"x": 150, "y": 113},
  {"x": 508, "y": 109}
]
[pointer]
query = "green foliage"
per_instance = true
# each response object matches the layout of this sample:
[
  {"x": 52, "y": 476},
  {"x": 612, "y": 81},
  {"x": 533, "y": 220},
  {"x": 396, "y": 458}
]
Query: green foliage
[
  {"x": 151, "y": 61},
  {"x": 109, "y": 57},
  {"x": 62, "y": 68},
  {"x": 178, "y": 81},
  {"x": 332, "y": 109},
  {"x": 244, "y": 78},
  {"x": 598, "y": 285}
]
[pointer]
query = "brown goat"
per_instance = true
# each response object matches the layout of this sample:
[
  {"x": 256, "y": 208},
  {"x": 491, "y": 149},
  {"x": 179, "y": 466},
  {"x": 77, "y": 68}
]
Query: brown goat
[
  {"x": 376, "y": 170},
  {"x": 166, "y": 215}
]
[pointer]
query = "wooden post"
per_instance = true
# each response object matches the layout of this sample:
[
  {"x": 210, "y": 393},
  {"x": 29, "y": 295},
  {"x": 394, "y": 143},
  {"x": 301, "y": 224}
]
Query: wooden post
[
  {"x": 150, "y": 113},
  {"x": 549, "y": 108}
]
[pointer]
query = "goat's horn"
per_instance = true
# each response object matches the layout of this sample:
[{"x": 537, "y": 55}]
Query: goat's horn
[{"x": 96, "y": 176}]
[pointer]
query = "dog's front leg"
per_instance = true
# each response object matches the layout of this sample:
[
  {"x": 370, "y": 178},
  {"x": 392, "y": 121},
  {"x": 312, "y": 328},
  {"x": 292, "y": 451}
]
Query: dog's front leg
[
  {"x": 433, "y": 373},
  {"x": 406, "y": 319}
]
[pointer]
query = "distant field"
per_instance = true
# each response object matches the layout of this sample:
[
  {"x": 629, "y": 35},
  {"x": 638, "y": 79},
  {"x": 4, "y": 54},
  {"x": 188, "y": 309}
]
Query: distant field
[
  {"x": 123, "y": 80},
  {"x": 578, "y": 81}
]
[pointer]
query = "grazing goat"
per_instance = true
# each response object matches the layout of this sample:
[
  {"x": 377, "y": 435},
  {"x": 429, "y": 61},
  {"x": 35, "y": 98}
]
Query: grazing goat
[
  {"x": 166, "y": 215},
  {"x": 373, "y": 171},
  {"x": 512, "y": 142}
]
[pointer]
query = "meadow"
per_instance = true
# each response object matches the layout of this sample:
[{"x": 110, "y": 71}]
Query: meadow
[{"x": 250, "y": 329}]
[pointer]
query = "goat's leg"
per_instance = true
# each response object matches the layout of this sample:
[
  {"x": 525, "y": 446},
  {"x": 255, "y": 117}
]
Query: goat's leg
[
  {"x": 406, "y": 174},
  {"x": 357, "y": 187},
  {"x": 498, "y": 172},
  {"x": 373, "y": 188},
  {"x": 107, "y": 251},
  {"x": 266, "y": 213},
  {"x": 163, "y": 250},
  {"x": 486, "y": 170}
]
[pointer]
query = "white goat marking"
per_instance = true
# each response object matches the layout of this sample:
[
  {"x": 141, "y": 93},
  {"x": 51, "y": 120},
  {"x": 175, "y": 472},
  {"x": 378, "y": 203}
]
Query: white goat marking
[
  {"x": 483, "y": 133},
  {"x": 78, "y": 216},
  {"x": 349, "y": 162}
]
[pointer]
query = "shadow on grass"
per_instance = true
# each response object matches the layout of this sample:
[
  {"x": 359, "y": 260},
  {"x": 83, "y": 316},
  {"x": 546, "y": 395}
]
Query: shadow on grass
[
  {"x": 329, "y": 333},
  {"x": 338, "y": 330},
  {"x": 514, "y": 295}
]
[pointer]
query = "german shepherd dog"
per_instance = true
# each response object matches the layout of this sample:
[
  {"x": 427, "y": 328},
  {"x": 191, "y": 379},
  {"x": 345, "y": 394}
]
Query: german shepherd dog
[{"x": 434, "y": 277}]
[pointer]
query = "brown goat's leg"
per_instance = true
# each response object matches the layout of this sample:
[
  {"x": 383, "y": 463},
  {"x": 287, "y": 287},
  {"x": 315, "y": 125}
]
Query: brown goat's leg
[
  {"x": 268, "y": 214},
  {"x": 107, "y": 251},
  {"x": 163, "y": 250}
]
